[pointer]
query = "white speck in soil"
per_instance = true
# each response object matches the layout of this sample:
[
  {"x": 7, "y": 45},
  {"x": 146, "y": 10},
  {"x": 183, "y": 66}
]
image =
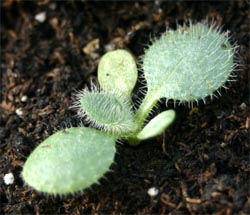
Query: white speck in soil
[
  {"x": 153, "y": 191},
  {"x": 40, "y": 17},
  {"x": 24, "y": 98},
  {"x": 8, "y": 178},
  {"x": 243, "y": 106},
  {"x": 19, "y": 112}
]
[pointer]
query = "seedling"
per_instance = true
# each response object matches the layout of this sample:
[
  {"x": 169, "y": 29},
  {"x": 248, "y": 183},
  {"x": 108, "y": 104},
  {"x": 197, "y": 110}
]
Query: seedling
[{"x": 184, "y": 65}]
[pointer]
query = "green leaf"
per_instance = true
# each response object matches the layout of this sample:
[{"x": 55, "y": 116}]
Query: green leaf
[
  {"x": 117, "y": 72},
  {"x": 110, "y": 112},
  {"x": 69, "y": 161},
  {"x": 188, "y": 64},
  {"x": 157, "y": 125}
]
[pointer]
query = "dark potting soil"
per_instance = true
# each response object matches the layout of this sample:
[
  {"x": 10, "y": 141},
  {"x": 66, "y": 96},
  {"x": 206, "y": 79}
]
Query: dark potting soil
[{"x": 200, "y": 165}]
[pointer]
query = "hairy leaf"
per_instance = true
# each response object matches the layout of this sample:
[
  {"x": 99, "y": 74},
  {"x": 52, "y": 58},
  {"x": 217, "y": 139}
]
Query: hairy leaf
[
  {"x": 69, "y": 161},
  {"x": 188, "y": 64},
  {"x": 108, "y": 111}
]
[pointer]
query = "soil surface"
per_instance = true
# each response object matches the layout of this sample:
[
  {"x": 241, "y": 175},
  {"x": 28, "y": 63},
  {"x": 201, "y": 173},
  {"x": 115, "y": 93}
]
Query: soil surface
[{"x": 51, "y": 48}]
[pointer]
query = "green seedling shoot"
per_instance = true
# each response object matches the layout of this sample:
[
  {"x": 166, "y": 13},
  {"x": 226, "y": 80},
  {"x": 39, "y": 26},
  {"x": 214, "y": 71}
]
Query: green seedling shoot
[{"x": 185, "y": 65}]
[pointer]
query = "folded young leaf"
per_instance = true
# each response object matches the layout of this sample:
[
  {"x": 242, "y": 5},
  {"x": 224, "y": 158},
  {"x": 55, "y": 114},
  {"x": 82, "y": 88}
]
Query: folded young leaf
[
  {"x": 69, "y": 161},
  {"x": 117, "y": 71},
  {"x": 110, "y": 112},
  {"x": 157, "y": 125}
]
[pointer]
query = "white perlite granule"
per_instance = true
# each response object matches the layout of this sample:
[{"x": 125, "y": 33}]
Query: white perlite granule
[
  {"x": 153, "y": 191},
  {"x": 8, "y": 178}
]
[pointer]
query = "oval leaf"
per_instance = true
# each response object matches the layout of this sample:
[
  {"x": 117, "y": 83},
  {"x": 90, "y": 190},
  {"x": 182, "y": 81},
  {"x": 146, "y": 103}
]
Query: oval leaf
[
  {"x": 157, "y": 125},
  {"x": 69, "y": 161},
  {"x": 117, "y": 71},
  {"x": 188, "y": 64}
]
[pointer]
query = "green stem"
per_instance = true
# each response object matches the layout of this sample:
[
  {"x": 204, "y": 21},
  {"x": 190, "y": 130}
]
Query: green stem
[
  {"x": 141, "y": 115},
  {"x": 145, "y": 108}
]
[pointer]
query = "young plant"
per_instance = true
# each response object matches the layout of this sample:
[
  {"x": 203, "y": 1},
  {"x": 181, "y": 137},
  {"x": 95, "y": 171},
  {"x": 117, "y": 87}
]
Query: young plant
[{"x": 186, "y": 65}]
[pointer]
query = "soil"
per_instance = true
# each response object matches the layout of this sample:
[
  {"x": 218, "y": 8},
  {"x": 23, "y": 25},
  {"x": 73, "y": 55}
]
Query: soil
[{"x": 199, "y": 166}]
